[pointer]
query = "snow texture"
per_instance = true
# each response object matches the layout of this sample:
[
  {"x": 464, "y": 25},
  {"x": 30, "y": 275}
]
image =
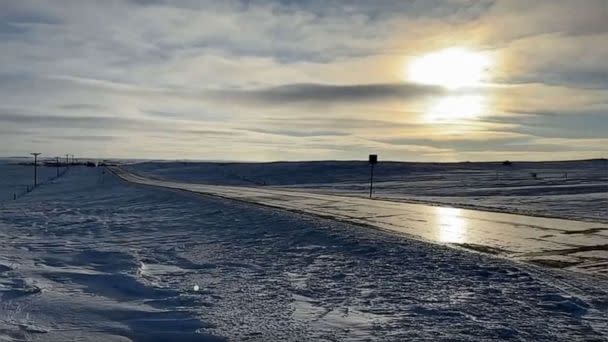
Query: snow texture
[{"x": 91, "y": 257}]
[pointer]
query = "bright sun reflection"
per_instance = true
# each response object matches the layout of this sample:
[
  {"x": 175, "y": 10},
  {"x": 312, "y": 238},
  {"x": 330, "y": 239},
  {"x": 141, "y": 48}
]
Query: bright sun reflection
[
  {"x": 451, "y": 68},
  {"x": 455, "y": 108},
  {"x": 452, "y": 227}
]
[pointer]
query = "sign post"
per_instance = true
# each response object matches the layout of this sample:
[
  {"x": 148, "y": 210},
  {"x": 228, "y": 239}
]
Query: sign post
[{"x": 373, "y": 160}]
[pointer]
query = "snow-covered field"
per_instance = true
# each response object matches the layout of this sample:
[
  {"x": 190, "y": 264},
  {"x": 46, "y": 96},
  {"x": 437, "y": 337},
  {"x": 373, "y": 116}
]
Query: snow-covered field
[
  {"x": 91, "y": 257},
  {"x": 15, "y": 178},
  {"x": 575, "y": 190}
]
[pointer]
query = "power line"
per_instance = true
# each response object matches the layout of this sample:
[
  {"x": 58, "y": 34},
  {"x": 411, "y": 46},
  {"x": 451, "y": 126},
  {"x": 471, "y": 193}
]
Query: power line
[{"x": 35, "y": 154}]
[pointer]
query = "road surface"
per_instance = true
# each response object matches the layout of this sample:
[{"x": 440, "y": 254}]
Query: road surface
[{"x": 576, "y": 245}]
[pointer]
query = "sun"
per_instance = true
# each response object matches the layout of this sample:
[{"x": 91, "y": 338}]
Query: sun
[
  {"x": 452, "y": 68},
  {"x": 455, "y": 108}
]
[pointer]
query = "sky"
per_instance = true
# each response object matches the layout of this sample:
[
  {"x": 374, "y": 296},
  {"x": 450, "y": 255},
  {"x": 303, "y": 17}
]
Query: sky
[{"x": 305, "y": 80}]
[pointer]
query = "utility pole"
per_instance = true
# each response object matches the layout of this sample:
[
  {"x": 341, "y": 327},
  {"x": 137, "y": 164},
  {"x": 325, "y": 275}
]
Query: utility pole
[
  {"x": 67, "y": 160},
  {"x": 36, "y": 154},
  {"x": 57, "y": 166},
  {"x": 373, "y": 160}
]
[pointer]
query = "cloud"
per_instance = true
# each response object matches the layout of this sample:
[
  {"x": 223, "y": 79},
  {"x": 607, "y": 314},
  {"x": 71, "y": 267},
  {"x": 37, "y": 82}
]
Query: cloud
[
  {"x": 573, "y": 126},
  {"x": 42, "y": 121},
  {"x": 516, "y": 144},
  {"x": 209, "y": 132},
  {"x": 296, "y": 133},
  {"x": 514, "y": 19},
  {"x": 274, "y": 79},
  {"x": 82, "y": 106},
  {"x": 79, "y": 138},
  {"x": 329, "y": 93}
]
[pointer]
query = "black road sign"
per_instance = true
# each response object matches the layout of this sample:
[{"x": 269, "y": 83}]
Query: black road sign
[{"x": 373, "y": 159}]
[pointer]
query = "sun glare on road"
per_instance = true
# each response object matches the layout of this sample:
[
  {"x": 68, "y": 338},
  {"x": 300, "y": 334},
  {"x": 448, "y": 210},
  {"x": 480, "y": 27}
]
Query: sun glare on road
[
  {"x": 451, "y": 68},
  {"x": 452, "y": 227}
]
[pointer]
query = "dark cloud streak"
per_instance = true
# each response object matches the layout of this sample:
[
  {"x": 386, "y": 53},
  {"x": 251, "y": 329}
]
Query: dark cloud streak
[{"x": 291, "y": 93}]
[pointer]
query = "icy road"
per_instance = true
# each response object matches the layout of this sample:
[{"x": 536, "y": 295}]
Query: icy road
[{"x": 577, "y": 245}]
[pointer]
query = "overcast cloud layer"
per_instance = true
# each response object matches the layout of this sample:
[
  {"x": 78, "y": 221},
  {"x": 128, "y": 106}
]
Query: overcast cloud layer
[{"x": 298, "y": 80}]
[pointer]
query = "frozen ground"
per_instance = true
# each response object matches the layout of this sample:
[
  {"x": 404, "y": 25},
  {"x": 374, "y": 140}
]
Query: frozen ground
[
  {"x": 90, "y": 257},
  {"x": 15, "y": 178},
  {"x": 575, "y": 190}
]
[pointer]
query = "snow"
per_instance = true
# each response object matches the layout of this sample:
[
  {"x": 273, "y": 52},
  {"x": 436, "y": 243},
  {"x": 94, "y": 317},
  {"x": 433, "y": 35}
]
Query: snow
[
  {"x": 572, "y": 190},
  {"x": 16, "y": 178},
  {"x": 544, "y": 241},
  {"x": 91, "y": 257}
]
